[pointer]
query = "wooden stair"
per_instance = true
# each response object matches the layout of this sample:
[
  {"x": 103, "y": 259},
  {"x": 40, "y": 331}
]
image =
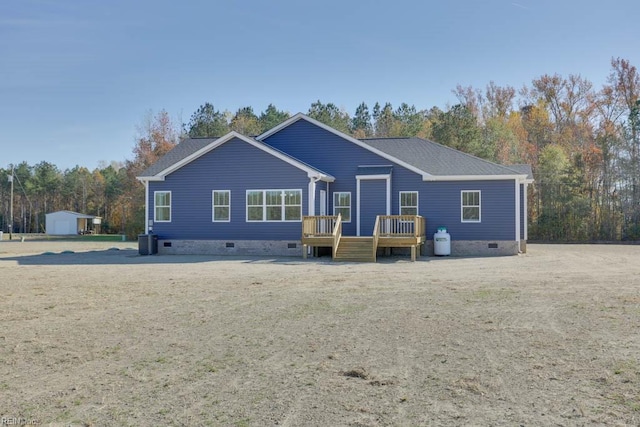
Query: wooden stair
[{"x": 355, "y": 249}]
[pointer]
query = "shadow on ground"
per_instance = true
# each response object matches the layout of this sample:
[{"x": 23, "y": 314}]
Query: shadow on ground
[{"x": 116, "y": 256}]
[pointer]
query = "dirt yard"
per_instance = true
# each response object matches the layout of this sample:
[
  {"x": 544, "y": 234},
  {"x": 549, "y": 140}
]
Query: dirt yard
[{"x": 95, "y": 335}]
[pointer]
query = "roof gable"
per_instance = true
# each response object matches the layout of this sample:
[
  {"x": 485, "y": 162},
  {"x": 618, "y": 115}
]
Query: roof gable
[
  {"x": 429, "y": 159},
  {"x": 191, "y": 149},
  {"x": 351, "y": 139}
]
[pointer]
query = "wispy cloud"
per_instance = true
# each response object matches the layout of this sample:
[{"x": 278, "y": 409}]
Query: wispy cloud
[{"x": 520, "y": 6}]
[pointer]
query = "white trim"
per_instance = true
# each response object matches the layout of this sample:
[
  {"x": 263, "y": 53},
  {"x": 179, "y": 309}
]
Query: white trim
[
  {"x": 163, "y": 206},
  {"x": 400, "y": 193},
  {"x": 213, "y": 206},
  {"x": 381, "y": 176},
  {"x": 357, "y": 206},
  {"x": 146, "y": 206},
  {"x": 476, "y": 178},
  {"x": 526, "y": 211},
  {"x": 517, "y": 211},
  {"x": 359, "y": 143},
  {"x": 468, "y": 221},
  {"x": 389, "y": 195},
  {"x": 311, "y": 172},
  {"x": 350, "y": 204},
  {"x": 264, "y": 205}
]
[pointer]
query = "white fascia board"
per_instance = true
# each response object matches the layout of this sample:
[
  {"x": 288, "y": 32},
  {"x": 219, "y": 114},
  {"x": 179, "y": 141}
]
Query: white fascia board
[
  {"x": 519, "y": 178},
  {"x": 144, "y": 179},
  {"x": 382, "y": 176},
  {"x": 359, "y": 143},
  {"x": 311, "y": 173}
]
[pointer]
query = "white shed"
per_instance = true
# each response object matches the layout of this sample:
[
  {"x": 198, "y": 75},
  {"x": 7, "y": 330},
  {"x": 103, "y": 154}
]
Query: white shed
[{"x": 68, "y": 222}]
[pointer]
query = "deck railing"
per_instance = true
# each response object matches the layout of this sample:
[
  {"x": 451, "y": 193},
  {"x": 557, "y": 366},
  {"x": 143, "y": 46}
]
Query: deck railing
[
  {"x": 400, "y": 225},
  {"x": 376, "y": 236},
  {"x": 337, "y": 234},
  {"x": 318, "y": 226}
]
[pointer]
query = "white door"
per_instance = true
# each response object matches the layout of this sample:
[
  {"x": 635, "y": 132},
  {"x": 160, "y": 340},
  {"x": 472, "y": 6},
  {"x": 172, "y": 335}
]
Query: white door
[
  {"x": 323, "y": 210},
  {"x": 323, "y": 202}
]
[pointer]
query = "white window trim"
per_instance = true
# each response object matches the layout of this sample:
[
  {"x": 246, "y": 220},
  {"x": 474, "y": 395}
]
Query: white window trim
[
  {"x": 214, "y": 206},
  {"x": 264, "y": 205},
  {"x": 343, "y": 207},
  {"x": 155, "y": 206},
  {"x": 479, "y": 206},
  {"x": 417, "y": 206}
]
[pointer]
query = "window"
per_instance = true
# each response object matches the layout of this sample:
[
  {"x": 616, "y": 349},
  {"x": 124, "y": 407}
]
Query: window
[
  {"x": 274, "y": 205},
  {"x": 162, "y": 211},
  {"x": 408, "y": 203},
  {"x": 470, "y": 206},
  {"x": 221, "y": 206},
  {"x": 342, "y": 205}
]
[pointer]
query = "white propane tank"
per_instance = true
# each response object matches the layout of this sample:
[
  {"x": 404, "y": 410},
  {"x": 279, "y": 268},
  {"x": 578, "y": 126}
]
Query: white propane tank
[{"x": 441, "y": 242}]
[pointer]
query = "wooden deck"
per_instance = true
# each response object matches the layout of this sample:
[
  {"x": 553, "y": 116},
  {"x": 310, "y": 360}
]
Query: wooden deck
[{"x": 390, "y": 231}]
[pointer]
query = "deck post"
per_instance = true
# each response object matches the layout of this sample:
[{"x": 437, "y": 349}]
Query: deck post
[
  {"x": 413, "y": 253},
  {"x": 304, "y": 251}
]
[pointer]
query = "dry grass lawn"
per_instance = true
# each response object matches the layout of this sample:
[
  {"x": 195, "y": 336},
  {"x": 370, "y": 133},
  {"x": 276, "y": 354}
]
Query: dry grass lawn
[{"x": 92, "y": 335}]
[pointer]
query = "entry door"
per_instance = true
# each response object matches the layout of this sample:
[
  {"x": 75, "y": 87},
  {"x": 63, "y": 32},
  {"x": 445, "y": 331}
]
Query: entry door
[
  {"x": 373, "y": 202},
  {"x": 323, "y": 211},
  {"x": 323, "y": 202}
]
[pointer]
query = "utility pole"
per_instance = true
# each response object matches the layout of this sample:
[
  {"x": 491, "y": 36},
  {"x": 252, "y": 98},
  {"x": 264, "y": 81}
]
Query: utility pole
[{"x": 11, "y": 205}]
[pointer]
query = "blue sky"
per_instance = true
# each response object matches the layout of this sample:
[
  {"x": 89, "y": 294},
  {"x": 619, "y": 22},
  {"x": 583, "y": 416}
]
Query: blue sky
[{"x": 77, "y": 77}]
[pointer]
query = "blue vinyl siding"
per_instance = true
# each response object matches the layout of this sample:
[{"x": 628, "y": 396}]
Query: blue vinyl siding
[
  {"x": 373, "y": 202},
  {"x": 440, "y": 205},
  {"x": 236, "y": 166},
  {"x": 340, "y": 158},
  {"x": 439, "y": 201}
]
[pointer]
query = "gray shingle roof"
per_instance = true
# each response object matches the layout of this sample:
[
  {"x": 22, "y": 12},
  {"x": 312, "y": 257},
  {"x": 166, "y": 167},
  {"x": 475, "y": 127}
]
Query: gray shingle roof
[
  {"x": 437, "y": 159},
  {"x": 184, "y": 149},
  {"x": 523, "y": 170},
  {"x": 189, "y": 146}
]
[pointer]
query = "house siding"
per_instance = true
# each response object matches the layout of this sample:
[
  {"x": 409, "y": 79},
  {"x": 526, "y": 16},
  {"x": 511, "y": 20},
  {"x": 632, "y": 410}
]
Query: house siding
[
  {"x": 373, "y": 202},
  {"x": 440, "y": 203},
  {"x": 340, "y": 158},
  {"x": 236, "y": 166}
]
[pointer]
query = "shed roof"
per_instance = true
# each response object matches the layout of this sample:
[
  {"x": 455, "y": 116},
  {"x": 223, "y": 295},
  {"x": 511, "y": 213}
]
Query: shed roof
[
  {"x": 76, "y": 214},
  {"x": 374, "y": 170}
]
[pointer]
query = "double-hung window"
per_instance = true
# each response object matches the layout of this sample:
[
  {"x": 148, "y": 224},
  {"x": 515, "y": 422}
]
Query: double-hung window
[
  {"x": 274, "y": 205},
  {"x": 162, "y": 206},
  {"x": 408, "y": 203},
  {"x": 470, "y": 206},
  {"x": 221, "y": 206},
  {"x": 342, "y": 205}
]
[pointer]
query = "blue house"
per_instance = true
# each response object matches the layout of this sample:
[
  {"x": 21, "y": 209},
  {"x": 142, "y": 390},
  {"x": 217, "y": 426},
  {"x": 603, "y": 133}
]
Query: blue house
[{"x": 304, "y": 184}]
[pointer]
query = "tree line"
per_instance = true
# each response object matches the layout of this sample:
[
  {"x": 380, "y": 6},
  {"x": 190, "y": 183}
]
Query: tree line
[{"x": 583, "y": 144}]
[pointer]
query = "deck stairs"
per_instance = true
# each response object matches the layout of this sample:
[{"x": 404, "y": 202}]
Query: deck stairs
[{"x": 355, "y": 249}]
